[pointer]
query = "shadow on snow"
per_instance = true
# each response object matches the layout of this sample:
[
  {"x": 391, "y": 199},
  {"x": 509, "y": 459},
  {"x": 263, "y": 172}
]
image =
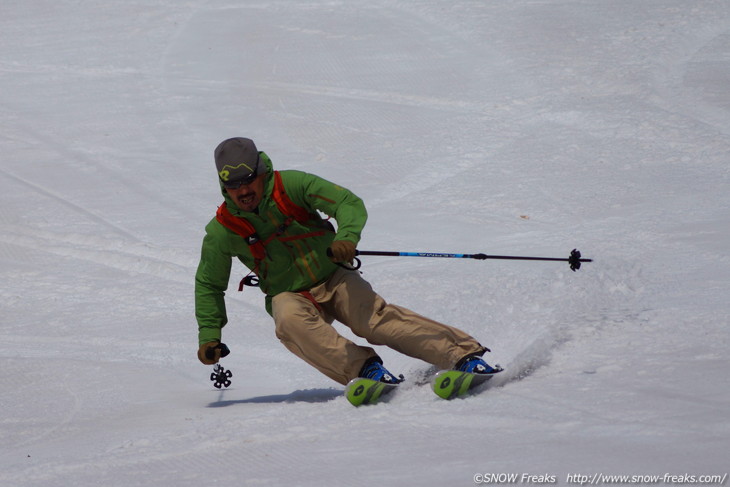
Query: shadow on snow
[{"x": 307, "y": 395}]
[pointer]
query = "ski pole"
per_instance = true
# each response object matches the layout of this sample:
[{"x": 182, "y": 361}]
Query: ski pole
[
  {"x": 574, "y": 259},
  {"x": 220, "y": 376}
]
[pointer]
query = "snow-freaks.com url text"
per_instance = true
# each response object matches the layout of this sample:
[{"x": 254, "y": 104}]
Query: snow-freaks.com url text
[{"x": 599, "y": 479}]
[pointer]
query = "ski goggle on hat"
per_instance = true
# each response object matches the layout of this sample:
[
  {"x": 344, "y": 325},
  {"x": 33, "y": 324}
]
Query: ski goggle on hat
[{"x": 238, "y": 163}]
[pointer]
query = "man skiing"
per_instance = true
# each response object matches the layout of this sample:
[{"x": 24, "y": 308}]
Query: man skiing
[{"x": 270, "y": 222}]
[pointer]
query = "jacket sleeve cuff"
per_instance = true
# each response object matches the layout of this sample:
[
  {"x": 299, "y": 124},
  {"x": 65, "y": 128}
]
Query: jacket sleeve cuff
[{"x": 206, "y": 335}]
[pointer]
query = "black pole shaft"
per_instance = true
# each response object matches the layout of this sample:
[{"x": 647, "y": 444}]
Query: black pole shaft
[{"x": 462, "y": 256}]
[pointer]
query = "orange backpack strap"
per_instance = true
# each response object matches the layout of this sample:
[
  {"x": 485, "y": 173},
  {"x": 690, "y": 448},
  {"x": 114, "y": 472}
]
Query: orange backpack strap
[
  {"x": 285, "y": 204},
  {"x": 291, "y": 211},
  {"x": 243, "y": 228}
]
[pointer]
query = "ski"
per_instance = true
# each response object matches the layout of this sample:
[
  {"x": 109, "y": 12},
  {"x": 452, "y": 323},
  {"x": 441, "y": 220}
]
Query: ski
[
  {"x": 361, "y": 391},
  {"x": 449, "y": 384}
]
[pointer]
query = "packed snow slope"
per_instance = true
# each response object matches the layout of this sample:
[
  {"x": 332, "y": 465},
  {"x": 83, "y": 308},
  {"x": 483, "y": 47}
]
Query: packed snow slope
[{"x": 522, "y": 128}]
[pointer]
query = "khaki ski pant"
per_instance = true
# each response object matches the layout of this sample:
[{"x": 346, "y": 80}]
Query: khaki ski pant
[{"x": 305, "y": 328}]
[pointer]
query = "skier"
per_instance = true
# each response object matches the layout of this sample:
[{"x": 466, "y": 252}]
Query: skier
[{"x": 269, "y": 221}]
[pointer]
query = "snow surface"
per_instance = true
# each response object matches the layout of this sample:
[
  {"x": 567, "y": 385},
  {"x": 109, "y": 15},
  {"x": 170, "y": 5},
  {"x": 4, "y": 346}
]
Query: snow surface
[{"x": 528, "y": 127}]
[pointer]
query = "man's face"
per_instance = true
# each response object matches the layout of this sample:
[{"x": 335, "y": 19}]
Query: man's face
[{"x": 248, "y": 196}]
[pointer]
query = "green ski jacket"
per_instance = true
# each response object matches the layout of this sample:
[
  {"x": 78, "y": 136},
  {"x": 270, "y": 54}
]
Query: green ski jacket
[{"x": 296, "y": 259}]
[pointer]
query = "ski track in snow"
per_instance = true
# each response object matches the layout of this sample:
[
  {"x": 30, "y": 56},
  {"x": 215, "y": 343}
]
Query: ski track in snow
[
  {"x": 62, "y": 200},
  {"x": 527, "y": 128}
]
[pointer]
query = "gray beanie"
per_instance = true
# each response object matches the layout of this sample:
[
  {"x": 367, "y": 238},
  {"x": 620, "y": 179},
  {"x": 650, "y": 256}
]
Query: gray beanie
[{"x": 237, "y": 159}]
